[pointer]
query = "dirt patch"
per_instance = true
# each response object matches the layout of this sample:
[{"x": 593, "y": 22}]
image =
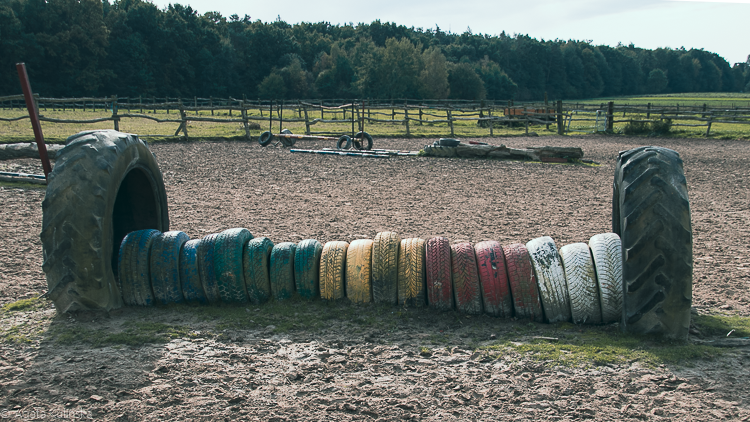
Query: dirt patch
[{"x": 338, "y": 362}]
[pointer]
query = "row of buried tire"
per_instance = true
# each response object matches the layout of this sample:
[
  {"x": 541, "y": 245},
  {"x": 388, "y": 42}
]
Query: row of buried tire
[{"x": 579, "y": 283}]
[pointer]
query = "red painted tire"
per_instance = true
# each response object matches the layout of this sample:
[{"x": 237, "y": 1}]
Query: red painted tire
[
  {"x": 522, "y": 283},
  {"x": 438, "y": 270},
  {"x": 466, "y": 289},
  {"x": 493, "y": 278}
]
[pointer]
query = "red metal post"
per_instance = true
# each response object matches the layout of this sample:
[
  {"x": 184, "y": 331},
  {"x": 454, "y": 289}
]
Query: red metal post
[{"x": 34, "y": 115}]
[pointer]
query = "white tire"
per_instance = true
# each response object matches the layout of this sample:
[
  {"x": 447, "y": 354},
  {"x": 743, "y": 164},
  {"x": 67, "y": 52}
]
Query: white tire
[
  {"x": 582, "y": 286},
  {"x": 606, "y": 250},
  {"x": 551, "y": 279}
]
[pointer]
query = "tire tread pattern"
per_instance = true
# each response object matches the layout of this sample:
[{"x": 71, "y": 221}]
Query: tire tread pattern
[
  {"x": 466, "y": 289},
  {"x": 385, "y": 248},
  {"x": 606, "y": 251},
  {"x": 583, "y": 290},
  {"x": 255, "y": 265},
  {"x": 164, "y": 264},
  {"x": 550, "y": 277},
  {"x": 190, "y": 280},
  {"x": 439, "y": 273},
  {"x": 307, "y": 268},
  {"x": 332, "y": 270},
  {"x": 133, "y": 264},
  {"x": 228, "y": 252},
  {"x": 523, "y": 284},
  {"x": 411, "y": 273},
  {"x": 282, "y": 270},
  {"x": 359, "y": 271},
  {"x": 493, "y": 279}
]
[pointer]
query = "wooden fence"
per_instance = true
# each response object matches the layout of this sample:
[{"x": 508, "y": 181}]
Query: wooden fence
[{"x": 341, "y": 116}]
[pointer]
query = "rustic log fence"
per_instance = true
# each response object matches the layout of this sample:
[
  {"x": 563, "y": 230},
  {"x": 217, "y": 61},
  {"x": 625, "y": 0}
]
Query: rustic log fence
[{"x": 335, "y": 117}]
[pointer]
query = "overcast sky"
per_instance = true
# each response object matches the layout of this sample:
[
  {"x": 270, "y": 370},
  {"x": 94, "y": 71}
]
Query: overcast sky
[{"x": 719, "y": 26}]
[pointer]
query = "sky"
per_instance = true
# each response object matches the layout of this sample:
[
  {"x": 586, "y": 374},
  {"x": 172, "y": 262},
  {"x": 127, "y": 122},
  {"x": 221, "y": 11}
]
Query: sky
[{"x": 719, "y": 26}]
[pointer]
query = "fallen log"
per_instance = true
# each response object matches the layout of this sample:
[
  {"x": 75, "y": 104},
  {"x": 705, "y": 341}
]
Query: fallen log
[
  {"x": 27, "y": 150},
  {"x": 545, "y": 153}
]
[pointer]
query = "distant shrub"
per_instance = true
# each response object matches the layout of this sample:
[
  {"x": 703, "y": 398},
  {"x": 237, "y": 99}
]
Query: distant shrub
[{"x": 656, "y": 127}]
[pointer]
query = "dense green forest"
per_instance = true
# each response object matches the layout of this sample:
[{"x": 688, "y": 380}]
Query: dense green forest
[{"x": 131, "y": 48}]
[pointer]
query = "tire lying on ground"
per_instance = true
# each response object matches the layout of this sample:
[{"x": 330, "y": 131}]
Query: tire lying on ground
[
  {"x": 344, "y": 142},
  {"x": 255, "y": 265},
  {"x": 385, "y": 248},
  {"x": 265, "y": 138},
  {"x": 493, "y": 279},
  {"x": 282, "y": 270},
  {"x": 550, "y": 278},
  {"x": 466, "y": 290},
  {"x": 190, "y": 280},
  {"x": 651, "y": 214},
  {"x": 411, "y": 275},
  {"x": 607, "y": 257},
  {"x": 307, "y": 268},
  {"x": 523, "y": 285},
  {"x": 438, "y": 273},
  {"x": 359, "y": 271},
  {"x": 105, "y": 184},
  {"x": 228, "y": 251},
  {"x": 332, "y": 270},
  {"x": 583, "y": 290},
  {"x": 164, "y": 265},
  {"x": 135, "y": 274}
]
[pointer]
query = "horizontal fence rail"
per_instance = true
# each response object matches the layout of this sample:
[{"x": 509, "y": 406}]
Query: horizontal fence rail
[{"x": 339, "y": 116}]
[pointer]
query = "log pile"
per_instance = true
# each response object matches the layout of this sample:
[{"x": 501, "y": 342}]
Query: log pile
[
  {"x": 27, "y": 150},
  {"x": 546, "y": 153}
]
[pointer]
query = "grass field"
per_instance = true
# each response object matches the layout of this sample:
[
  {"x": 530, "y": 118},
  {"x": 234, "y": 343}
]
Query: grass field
[{"x": 20, "y": 131}]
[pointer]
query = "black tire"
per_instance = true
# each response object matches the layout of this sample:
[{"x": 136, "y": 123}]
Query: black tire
[
  {"x": 207, "y": 268},
  {"x": 344, "y": 142},
  {"x": 228, "y": 251},
  {"x": 255, "y": 262},
  {"x": 307, "y": 268},
  {"x": 363, "y": 141},
  {"x": 282, "y": 270},
  {"x": 164, "y": 267},
  {"x": 105, "y": 184},
  {"x": 190, "y": 280},
  {"x": 651, "y": 214},
  {"x": 133, "y": 261},
  {"x": 265, "y": 138}
]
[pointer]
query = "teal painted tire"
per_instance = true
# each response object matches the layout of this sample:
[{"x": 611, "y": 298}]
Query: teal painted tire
[
  {"x": 307, "y": 268},
  {"x": 164, "y": 267},
  {"x": 228, "y": 264},
  {"x": 133, "y": 268},
  {"x": 190, "y": 280},
  {"x": 282, "y": 270},
  {"x": 255, "y": 261},
  {"x": 207, "y": 268}
]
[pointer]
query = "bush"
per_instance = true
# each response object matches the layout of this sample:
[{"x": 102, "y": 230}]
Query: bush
[{"x": 656, "y": 127}]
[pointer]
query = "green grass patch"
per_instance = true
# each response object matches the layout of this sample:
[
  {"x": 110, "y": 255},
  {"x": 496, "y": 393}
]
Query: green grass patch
[
  {"x": 721, "y": 325},
  {"x": 29, "y": 304}
]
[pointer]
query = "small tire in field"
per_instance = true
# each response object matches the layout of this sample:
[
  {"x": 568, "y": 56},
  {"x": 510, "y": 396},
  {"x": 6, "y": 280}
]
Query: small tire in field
[
  {"x": 265, "y": 138},
  {"x": 164, "y": 263},
  {"x": 282, "y": 270},
  {"x": 493, "y": 279},
  {"x": 651, "y": 214},
  {"x": 385, "y": 248},
  {"x": 190, "y": 280},
  {"x": 523, "y": 285},
  {"x": 363, "y": 141},
  {"x": 411, "y": 273},
  {"x": 466, "y": 290},
  {"x": 583, "y": 291},
  {"x": 255, "y": 265},
  {"x": 332, "y": 270},
  {"x": 287, "y": 142},
  {"x": 344, "y": 142},
  {"x": 133, "y": 264},
  {"x": 550, "y": 277},
  {"x": 207, "y": 268},
  {"x": 606, "y": 251},
  {"x": 359, "y": 271},
  {"x": 228, "y": 251},
  {"x": 307, "y": 268},
  {"x": 438, "y": 273},
  {"x": 105, "y": 184}
]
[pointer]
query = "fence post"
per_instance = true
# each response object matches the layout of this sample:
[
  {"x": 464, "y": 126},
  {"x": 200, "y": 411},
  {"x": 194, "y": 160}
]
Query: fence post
[
  {"x": 229, "y": 104},
  {"x": 281, "y": 116},
  {"x": 492, "y": 124},
  {"x": 244, "y": 121},
  {"x": 307, "y": 123},
  {"x": 183, "y": 125},
  {"x": 420, "y": 115},
  {"x": 708, "y": 129},
  {"x": 406, "y": 119},
  {"x": 610, "y": 116},
  {"x": 321, "y": 110},
  {"x": 114, "y": 113},
  {"x": 211, "y": 104},
  {"x": 153, "y": 102},
  {"x": 546, "y": 108},
  {"x": 167, "y": 102},
  {"x": 560, "y": 122},
  {"x": 270, "y": 116},
  {"x": 450, "y": 122},
  {"x": 362, "y": 126},
  {"x": 648, "y": 110}
]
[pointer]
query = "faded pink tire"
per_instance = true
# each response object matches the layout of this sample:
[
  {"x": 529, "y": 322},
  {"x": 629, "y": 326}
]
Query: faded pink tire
[
  {"x": 466, "y": 289},
  {"x": 493, "y": 279},
  {"x": 438, "y": 273},
  {"x": 523, "y": 287}
]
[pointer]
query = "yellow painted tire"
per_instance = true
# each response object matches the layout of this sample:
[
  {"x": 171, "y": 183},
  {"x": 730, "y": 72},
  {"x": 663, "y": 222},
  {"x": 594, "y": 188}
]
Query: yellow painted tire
[
  {"x": 411, "y": 272},
  {"x": 385, "y": 267},
  {"x": 332, "y": 268},
  {"x": 359, "y": 271}
]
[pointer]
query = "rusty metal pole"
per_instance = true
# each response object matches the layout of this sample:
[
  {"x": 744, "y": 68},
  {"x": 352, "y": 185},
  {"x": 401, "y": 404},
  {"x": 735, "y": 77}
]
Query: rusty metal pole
[{"x": 34, "y": 115}]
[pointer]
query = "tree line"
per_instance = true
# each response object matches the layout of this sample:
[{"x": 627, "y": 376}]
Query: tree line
[{"x": 131, "y": 48}]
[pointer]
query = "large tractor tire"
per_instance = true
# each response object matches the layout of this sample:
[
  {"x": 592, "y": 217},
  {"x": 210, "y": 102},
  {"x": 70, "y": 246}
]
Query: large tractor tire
[
  {"x": 105, "y": 184},
  {"x": 651, "y": 214}
]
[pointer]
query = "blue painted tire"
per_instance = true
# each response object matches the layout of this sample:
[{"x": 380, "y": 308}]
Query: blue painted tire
[
  {"x": 190, "y": 280},
  {"x": 164, "y": 263},
  {"x": 307, "y": 268},
  {"x": 228, "y": 264},
  {"x": 282, "y": 270},
  {"x": 207, "y": 269},
  {"x": 255, "y": 265},
  {"x": 133, "y": 268}
]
